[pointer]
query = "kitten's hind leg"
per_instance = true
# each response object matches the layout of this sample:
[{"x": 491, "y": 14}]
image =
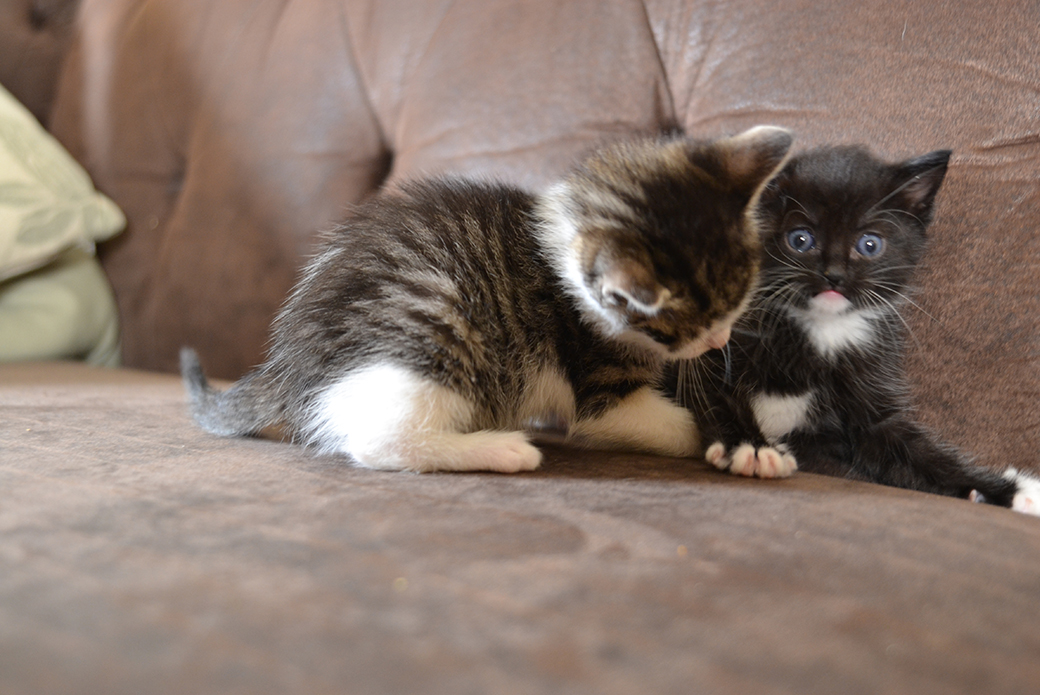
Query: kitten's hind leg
[
  {"x": 643, "y": 421},
  {"x": 387, "y": 417}
]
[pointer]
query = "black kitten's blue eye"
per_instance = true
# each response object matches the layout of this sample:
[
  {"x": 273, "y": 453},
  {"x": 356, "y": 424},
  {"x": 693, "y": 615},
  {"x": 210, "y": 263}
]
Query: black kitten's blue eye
[
  {"x": 801, "y": 240},
  {"x": 870, "y": 245}
]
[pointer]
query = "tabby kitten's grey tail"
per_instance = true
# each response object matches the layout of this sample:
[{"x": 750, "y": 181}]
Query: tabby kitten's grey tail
[{"x": 241, "y": 410}]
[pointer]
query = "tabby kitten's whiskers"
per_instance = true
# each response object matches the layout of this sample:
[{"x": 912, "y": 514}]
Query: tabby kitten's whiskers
[{"x": 439, "y": 324}]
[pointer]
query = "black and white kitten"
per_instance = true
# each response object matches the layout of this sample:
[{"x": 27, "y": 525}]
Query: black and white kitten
[
  {"x": 439, "y": 322},
  {"x": 814, "y": 371}
]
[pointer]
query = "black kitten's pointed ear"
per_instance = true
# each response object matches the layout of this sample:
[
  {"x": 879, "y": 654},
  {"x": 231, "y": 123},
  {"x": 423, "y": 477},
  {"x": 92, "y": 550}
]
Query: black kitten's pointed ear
[
  {"x": 754, "y": 155},
  {"x": 627, "y": 284},
  {"x": 918, "y": 182}
]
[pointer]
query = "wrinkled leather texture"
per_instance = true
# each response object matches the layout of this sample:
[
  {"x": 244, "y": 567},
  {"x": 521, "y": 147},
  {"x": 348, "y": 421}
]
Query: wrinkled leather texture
[
  {"x": 232, "y": 132},
  {"x": 140, "y": 556},
  {"x": 34, "y": 36}
]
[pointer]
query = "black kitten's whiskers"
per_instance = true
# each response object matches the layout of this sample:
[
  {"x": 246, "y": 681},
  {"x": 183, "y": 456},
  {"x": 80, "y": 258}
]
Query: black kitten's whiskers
[
  {"x": 816, "y": 366},
  {"x": 888, "y": 310}
]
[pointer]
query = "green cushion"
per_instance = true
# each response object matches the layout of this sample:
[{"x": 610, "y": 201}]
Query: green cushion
[
  {"x": 63, "y": 310},
  {"x": 54, "y": 300}
]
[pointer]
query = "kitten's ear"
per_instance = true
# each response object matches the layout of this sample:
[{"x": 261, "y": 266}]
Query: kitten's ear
[
  {"x": 752, "y": 156},
  {"x": 628, "y": 284},
  {"x": 918, "y": 182}
]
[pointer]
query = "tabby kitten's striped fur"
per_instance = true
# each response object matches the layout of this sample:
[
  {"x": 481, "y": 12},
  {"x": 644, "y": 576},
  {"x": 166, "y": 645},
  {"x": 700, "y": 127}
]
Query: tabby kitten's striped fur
[{"x": 440, "y": 322}]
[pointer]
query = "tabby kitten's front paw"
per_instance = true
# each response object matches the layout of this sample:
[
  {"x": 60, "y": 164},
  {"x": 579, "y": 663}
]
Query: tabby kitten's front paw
[{"x": 751, "y": 461}]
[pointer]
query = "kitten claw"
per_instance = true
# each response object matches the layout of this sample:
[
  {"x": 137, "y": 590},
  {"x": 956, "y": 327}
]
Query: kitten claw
[
  {"x": 977, "y": 497},
  {"x": 751, "y": 461}
]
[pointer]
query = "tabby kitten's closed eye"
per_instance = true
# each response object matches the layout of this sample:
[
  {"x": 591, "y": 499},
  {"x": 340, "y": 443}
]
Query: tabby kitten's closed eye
[
  {"x": 437, "y": 323},
  {"x": 814, "y": 371}
]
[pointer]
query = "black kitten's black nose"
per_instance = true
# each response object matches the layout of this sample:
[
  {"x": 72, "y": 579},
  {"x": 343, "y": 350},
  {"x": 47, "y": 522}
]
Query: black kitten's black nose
[{"x": 835, "y": 276}]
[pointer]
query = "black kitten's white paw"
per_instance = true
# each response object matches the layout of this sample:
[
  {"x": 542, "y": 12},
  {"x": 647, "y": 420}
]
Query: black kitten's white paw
[
  {"x": 1027, "y": 498},
  {"x": 751, "y": 461}
]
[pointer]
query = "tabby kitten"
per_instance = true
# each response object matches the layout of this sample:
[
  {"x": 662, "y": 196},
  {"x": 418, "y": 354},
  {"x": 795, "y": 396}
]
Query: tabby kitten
[
  {"x": 439, "y": 322},
  {"x": 814, "y": 370}
]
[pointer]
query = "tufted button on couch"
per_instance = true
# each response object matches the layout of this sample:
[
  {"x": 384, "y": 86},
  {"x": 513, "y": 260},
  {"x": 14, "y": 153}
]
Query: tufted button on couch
[{"x": 138, "y": 554}]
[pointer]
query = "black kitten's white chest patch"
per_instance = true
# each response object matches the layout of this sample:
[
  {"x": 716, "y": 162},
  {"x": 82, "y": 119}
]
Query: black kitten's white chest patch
[
  {"x": 833, "y": 326},
  {"x": 779, "y": 415}
]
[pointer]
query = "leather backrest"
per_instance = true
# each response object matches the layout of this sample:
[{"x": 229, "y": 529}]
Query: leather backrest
[
  {"x": 34, "y": 36},
  {"x": 232, "y": 132}
]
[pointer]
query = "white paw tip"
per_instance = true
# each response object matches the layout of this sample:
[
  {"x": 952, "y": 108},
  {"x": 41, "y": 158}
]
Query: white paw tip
[
  {"x": 1027, "y": 499},
  {"x": 748, "y": 461},
  {"x": 1027, "y": 504},
  {"x": 716, "y": 455},
  {"x": 514, "y": 456},
  {"x": 770, "y": 463},
  {"x": 745, "y": 462},
  {"x": 788, "y": 465},
  {"x": 774, "y": 464}
]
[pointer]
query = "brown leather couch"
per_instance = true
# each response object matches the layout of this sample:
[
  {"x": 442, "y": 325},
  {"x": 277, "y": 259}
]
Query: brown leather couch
[{"x": 140, "y": 555}]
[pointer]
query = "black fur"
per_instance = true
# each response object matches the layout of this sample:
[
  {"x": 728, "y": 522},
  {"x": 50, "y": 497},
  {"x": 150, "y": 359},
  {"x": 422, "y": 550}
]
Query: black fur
[{"x": 859, "y": 424}]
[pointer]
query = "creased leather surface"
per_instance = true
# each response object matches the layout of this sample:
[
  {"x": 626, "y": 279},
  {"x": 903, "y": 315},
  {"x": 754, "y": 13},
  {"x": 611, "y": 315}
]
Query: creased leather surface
[
  {"x": 140, "y": 555},
  {"x": 231, "y": 132},
  {"x": 34, "y": 37},
  {"x": 907, "y": 78}
]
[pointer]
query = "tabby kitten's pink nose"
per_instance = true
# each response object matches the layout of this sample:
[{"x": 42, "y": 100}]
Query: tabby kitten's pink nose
[{"x": 718, "y": 340}]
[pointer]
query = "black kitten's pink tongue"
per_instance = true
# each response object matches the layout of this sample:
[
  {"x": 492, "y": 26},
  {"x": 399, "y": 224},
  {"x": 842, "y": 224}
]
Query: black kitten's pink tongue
[{"x": 831, "y": 301}]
